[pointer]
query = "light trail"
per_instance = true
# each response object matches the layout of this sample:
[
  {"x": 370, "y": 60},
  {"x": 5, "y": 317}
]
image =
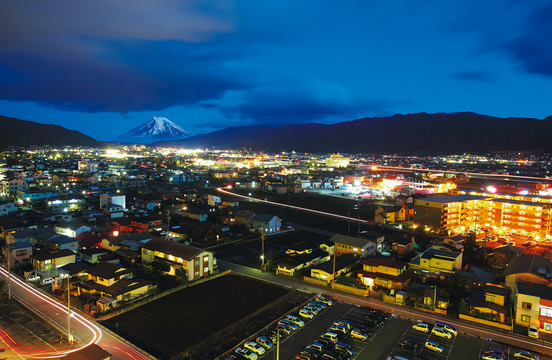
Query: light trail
[
  {"x": 508, "y": 177},
  {"x": 318, "y": 212},
  {"x": 95, "y": 330}
]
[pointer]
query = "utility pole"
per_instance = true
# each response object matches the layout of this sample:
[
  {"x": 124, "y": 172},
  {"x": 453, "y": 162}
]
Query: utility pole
[
  {"x": 263, "y": 250},
  {"x": 69, "y": 310},
  {"x": 333, "y": 273},
  {"x": 434, "y": 296},
  {"x": 277, "y": 344},
  {"x": 9, "y": 271}
]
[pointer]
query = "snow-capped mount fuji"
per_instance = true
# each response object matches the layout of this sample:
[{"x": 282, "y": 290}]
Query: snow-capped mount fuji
[{"x": 155, "y": 129}]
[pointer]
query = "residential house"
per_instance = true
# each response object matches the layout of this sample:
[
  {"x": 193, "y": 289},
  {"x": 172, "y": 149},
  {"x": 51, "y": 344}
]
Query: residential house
[
  {"x": 502, "y": 255},
  {"x": 243, "y": 217},
  {"x": 328, "y": 270},
  {"x": 386, "y": 273},
  {"x": 71, "y": 229},
  {"x": 52, "y": 260},
  {"x": 390, "y": 214},
  {"x": 7, "y": 207},
  {"x": 361, "y": 247},
  {"x": 92, "y": 256},
  {"x": 112, "y": 281},
  {"x": 196, "y": 262},
  {"x": 403, "y": 246},
  {"x": 492, "y": 303},
  {"x": 290, "y": 265},
  {"x": 438, "y": 259},
  {"x": 532, "y": 269},
  {"x": 20, "y": 253},
  {"x": 266, "y": 223}
]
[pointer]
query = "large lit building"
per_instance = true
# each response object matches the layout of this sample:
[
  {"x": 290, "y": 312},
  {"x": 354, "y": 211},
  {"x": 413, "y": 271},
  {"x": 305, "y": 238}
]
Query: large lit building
[{"x": 458, "y": 213}]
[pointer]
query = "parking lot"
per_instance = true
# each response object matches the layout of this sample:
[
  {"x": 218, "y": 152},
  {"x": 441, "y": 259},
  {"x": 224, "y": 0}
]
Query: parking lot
[{"x": 385, "y": 341}]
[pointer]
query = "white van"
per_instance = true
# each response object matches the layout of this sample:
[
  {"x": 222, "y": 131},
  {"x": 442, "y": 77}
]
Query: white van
[
  {"x": 533, "y": 331},
  {"x": 47, "y": 281}
]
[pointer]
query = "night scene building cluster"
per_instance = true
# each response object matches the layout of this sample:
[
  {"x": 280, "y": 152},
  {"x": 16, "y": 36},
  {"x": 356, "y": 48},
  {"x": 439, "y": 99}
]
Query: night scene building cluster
[{"x": 465, "y": 236}]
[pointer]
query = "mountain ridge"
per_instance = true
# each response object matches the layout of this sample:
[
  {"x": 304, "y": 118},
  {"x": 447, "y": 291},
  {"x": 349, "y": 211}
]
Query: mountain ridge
[
  {"x": 155, "y": 129},
  {"x": 418, "y": 132},
  {"x": 17, "y": 132}
]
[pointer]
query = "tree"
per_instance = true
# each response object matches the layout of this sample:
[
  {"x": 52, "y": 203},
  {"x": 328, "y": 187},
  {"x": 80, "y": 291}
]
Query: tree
[
  {"x": 463, "y": 307},
  {"x": 182, "y": 275}
]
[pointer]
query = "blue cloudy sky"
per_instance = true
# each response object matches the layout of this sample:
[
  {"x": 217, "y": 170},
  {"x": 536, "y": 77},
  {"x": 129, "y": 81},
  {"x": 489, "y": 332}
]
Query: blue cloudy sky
[{"x": 103, "y": 67}]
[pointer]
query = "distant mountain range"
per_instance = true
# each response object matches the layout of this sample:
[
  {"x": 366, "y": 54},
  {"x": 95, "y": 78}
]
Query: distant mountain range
[
  {"x": 155, "y": 129},
  {"x": 413, "y": 133},
  {"x": 17, "y": 132}
]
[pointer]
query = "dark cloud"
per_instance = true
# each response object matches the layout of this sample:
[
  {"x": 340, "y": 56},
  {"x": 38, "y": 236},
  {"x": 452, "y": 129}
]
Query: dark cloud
[
  {"x": 297, "y": 101},
  {"x": 141, "y": 57},
  {"x": 482, "y": 76},
  {"x": 128, "y": 76},
  {"x": 533, "y": 49}
]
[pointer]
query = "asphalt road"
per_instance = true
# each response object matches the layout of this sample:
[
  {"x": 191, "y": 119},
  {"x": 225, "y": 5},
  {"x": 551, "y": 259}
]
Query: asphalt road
[{"x": 84, "y": 331}]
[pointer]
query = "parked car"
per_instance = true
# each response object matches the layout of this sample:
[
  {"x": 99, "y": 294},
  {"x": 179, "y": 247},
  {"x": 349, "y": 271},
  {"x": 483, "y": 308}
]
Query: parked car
[
  {"x": 358, "y": 334},
  {"x": 495, "y": 351},
  {"x": 345, "y": 346},
  {"x": 288, "y": 322},
  {"x": 447, "y": 327},
  {"x": 265, "y": 342},
  {"x": 287, "y": 330},
  {"x": 33, "y": 277},
  {"x": 248, "y": 354},
  {"x": 321, "y": 304},
  {"x": 409, "y": 345},
  {"x": 306, "y": 313},
  {"x": 296, "y": 320},
  {"x": 330, "y": 336},
  {"x": 533, "y": 331},
  {"x": 47, "y": 281},
  {"x": 315, "y": 305},
  {"x": 440, "y": 332},
  {"x": 396, "y": 357},
  {"x": 345, "y": 323},
  {"x": 312, "y": 309},
  {"x": 256, "y": 348},
  {"x": 339, "y": 329},
  {"x": 491, "y": 356},
  {"x": 525, "y": 355},
  {"x": 421, "y": 326},
  {"x": 324, "y": 300},
  {"x": 433, "y": 346}
]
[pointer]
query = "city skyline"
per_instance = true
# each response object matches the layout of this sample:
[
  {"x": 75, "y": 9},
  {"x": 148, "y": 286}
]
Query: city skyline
[{"x": 104, "y": 68}]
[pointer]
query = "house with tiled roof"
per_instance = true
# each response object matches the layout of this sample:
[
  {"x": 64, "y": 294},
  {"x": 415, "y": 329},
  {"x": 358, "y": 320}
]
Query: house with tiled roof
[
  {"x": 113, "y": 281},
  {"x": 386, "y": 273},
  {"x": 196, "y": 262}
]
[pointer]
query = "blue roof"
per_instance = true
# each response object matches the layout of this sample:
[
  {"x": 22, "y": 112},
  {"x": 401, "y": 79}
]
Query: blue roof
[{"x": 20, "y": 245}]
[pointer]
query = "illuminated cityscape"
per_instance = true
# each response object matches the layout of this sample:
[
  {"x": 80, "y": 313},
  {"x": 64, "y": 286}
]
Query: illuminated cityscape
[{"x": 275, "y": 180}]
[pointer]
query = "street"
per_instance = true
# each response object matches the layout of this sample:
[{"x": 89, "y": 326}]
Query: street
[{"x": 84, "y": 331}]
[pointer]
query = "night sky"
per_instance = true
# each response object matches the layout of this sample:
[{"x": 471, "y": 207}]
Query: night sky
[{"x": 103, "y": 67}]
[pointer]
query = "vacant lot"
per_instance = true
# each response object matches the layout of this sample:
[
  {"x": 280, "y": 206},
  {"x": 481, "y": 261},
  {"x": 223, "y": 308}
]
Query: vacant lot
[{"x": 207, "y": 319}]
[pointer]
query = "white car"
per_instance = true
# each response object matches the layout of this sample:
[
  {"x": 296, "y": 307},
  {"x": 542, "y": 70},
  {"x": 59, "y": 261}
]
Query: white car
[
  {"x": 46, "y": 281},
  {"x": 433, "y": 346},
  {"x": 33, "y": 277},
  {"x": 421, "y": 326},
  {"x": 256, "y": 348},
  {"x": 249, "y": 355},
  {"x": 533, "y": 331},
  {"x": 440, "y": 332},
  {"x": 311, "y": 309}
]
